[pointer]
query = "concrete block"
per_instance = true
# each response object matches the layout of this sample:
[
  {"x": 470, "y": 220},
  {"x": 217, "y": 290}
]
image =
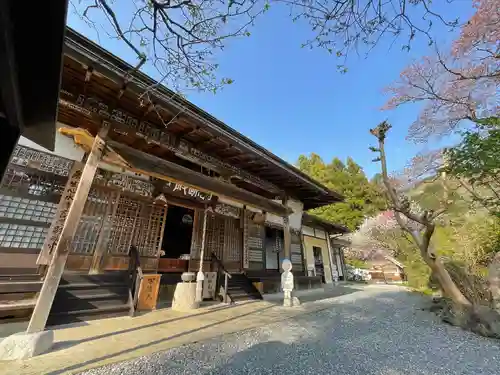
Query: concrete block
[
  {"x": 185, "y": 297},
  {"x": 25, "y": 345}
]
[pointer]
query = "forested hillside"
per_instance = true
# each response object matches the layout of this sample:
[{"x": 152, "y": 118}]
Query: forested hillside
[{"x": 362, "y": 197}]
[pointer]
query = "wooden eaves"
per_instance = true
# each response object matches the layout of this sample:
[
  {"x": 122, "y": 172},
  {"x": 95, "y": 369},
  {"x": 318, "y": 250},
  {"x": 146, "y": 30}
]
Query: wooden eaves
[
  {"x": 153, "y": 166},
  {"x": 138, "y": 161},
  {"x": 201, "y": 129},
  {"x": 315, "y": 221}
]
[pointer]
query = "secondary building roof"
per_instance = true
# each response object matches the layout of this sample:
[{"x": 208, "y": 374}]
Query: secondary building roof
[
  {"x": 206, "y": 132},
  {"x": 315, "y": 221}
]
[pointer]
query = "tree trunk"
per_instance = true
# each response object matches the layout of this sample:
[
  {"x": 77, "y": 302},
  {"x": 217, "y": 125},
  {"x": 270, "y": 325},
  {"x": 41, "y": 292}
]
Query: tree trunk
[
  {"x": 448, "y": 286},
  {"x": 494, "y": 281}
]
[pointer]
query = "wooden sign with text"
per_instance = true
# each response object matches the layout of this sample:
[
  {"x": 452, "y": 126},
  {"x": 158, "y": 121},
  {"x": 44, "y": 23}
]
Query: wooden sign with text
[{"x": 148, "y": 292}]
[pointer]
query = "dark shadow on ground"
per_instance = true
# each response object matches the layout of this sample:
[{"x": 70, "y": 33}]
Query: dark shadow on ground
[
  {"x": 66, "y": 344},
  {"x": 73, "y": 368}
]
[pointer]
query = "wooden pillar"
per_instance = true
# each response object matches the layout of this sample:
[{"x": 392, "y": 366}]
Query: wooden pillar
[
  {"x": 200, "y": 276},
  {"x": 61, "y": 252},
  {"x": 333, "y": 260},
  {"x": 287, "y": 236},
  {"x": 107, "y": 222}
]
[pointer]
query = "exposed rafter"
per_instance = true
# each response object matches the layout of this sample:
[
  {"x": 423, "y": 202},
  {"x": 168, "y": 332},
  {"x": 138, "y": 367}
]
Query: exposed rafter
[{"x": 185, "y": 132}]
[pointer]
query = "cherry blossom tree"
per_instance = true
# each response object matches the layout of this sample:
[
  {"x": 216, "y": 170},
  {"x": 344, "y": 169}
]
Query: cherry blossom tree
[
  {"x": 379, "y": 235},
  {"x": 458, "y": 87},
  {"x": 481, "y": 33}
]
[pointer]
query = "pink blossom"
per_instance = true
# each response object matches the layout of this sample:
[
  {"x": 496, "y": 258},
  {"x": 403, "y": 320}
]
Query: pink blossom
[{"x": 462, "y": 86}]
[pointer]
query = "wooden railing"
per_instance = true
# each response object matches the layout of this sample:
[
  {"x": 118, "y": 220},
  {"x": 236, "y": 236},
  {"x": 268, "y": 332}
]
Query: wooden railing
[
  {"x": 136, "y": 276},
  {"x": 221, "y": 270}
]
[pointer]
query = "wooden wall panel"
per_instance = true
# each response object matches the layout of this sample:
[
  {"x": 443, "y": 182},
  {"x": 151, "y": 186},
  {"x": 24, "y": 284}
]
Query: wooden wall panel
[
  {"x": 77, "y": 262},
  {"x": 124, "y": 226},
  {"x": 172, "y": 265},
  {"x": 18, "y": 260},
  {"x": 215, "y": 236},
  {"x": 149, "y": 228},
  {"x": 194, "y": 265},
  {"x": 297, "y": 251},
  {"x": 233, "y": 241},
  {"x": 91, "y": 221},
  {"x": 255, "y": 242},
  {"x": 245, "y": 249}
]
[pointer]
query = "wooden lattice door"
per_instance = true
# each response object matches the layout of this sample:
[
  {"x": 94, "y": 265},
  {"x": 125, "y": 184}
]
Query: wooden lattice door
[
  {"x": 139, "y": 222},
  {"x": 233, "y": 244}
]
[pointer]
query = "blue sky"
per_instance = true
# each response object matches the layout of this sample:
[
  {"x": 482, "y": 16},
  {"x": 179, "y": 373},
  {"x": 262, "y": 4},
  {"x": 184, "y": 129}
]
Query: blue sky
[{"x": 293, "y": 101}]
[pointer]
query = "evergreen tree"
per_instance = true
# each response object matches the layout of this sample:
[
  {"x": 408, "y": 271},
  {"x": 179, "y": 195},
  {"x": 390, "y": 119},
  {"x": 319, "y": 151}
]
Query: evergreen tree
[{"x": 362, "y": 197}]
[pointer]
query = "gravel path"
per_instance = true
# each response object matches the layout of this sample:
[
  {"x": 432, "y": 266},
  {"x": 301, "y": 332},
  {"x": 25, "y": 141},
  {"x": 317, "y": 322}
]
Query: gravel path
[{"x": 379, "y": 330}]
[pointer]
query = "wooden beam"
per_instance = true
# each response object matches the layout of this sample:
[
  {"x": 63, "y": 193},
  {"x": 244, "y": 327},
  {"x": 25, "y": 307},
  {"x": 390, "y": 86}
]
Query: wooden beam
[
  {"x": 204, "y": 142},
  {"x": 185, "y": 132},
  {"x": 219, "y": 148},
  {"x": 80, "y": 186},
  {"x": 151, "y": 165}
]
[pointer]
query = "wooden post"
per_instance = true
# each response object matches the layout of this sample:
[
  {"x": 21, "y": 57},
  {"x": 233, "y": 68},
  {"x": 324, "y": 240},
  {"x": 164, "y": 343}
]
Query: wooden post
[
  {"x": 200, "y": 276},
  {"x": 60, "y": 217},
  {"x": 58, "y": 261},
  {"x": 287, "y": 239},
  {"x": 331, "y": 255},
  {"x": 225, "y": 287},
  {"x": 287, "y": 236},
  {"x": 96, "y": 265}
]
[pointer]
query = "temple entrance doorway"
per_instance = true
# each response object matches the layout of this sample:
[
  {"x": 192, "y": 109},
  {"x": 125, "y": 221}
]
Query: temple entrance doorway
[{"x": 178, "y": 232}]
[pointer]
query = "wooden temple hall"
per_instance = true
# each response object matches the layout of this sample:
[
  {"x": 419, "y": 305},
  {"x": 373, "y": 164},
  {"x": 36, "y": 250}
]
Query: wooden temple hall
[{"x": 141, "y": 187}]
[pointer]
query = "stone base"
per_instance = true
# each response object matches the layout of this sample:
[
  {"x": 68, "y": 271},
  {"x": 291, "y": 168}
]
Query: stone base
[
  {"x": 26, "y": 345},
  {"x": 185, "y": 297},
  {"x": 291, "y": 302}
]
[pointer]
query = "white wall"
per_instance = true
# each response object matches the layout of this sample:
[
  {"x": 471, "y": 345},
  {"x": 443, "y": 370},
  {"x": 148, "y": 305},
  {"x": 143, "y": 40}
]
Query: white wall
[
  {"x": 64, "y": 146},
  {"x": 308, "y": 231},
  {"x": 295, "y": 219},
  {"x": 319, "y": 233}
]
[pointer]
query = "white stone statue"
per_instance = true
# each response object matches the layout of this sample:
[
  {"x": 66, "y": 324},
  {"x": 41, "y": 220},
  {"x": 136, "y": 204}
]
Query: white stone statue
[{"x": 287, "y": 284}]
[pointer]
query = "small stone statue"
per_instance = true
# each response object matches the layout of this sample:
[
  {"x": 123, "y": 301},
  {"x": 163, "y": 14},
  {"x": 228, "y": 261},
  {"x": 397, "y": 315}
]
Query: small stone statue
[{"x": 287, "y": 284}]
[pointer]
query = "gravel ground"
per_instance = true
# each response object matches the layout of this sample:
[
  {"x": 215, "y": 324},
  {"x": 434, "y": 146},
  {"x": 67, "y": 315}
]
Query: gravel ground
[{"x": 380, "y": 330}]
